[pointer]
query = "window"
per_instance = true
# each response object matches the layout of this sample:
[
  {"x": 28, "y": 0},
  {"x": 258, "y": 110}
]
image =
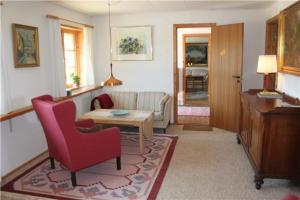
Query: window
[{"x": 72, "y": 47}]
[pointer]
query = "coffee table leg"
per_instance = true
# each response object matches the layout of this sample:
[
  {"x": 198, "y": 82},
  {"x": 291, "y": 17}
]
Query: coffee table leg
[{"x": 141, "y": 132}]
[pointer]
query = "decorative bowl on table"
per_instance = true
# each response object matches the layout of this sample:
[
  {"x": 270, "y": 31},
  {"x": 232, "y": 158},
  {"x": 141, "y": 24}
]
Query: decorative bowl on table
[{"x": 119, "y": 112}]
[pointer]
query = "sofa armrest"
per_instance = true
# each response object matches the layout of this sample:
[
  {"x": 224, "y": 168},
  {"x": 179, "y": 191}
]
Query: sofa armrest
[
  {"x": 167, "y": 109},
  {"x": 163, "y": 102}
]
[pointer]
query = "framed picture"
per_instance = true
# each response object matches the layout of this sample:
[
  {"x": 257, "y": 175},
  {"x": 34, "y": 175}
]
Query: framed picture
[
  {"x": 196, "y": 54},
  {"x": 289, "y": 39},
  {"x": 26, "y": 46},
  {"x": 131, "y": 43}
]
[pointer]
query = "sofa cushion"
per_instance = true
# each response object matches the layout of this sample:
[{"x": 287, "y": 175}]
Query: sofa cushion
[
  {"x": 124, "y": 100},
  {"x": 149, "y": 101}
]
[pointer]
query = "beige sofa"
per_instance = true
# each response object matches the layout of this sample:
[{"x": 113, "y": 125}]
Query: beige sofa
[{"x": 158, "y": 102}]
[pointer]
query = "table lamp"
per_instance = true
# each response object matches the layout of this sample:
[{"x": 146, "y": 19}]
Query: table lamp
[{"x": 266, "y": 64}]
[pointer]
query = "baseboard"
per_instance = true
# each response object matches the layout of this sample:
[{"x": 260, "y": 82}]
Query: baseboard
[{"x": 23, "y": 167}]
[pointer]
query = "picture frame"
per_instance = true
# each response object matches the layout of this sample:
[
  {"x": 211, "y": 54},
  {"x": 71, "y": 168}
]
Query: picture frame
[
  {"x": 196, "y": 54},
  {"x": 131, "y": 43},
  {"x": 25, "y": 46},
  {"x": 289, "y": 39}
]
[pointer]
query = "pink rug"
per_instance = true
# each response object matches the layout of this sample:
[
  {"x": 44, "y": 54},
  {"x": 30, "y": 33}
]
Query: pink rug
[
  {"x": 194, "y": 111},
  {"x": 140, "y": 177}
]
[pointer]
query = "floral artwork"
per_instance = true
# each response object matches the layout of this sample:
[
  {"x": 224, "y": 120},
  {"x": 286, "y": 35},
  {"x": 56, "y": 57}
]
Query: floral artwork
[{"x": 131, "y": 43}]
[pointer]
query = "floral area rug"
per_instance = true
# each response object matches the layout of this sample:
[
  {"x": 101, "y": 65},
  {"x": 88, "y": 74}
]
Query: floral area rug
[{"x": 140, "y": 177}]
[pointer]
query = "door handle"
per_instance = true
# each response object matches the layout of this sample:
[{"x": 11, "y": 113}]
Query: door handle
[{"x": 236, "y": 76}]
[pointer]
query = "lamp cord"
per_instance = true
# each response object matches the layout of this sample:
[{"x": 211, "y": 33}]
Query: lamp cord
[{"x": 110, "y": 45}]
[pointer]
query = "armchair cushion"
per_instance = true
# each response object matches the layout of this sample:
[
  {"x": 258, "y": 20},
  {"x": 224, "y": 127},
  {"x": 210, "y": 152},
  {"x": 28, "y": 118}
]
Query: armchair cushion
[
  {"x": 95, "y": 128},
  {"x": 86, "y": 123}
]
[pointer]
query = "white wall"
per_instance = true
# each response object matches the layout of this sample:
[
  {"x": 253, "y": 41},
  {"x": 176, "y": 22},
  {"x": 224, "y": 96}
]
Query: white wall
[
  {"x": 26, "y": 138},
  {"x": 158, "y": 73},
  {"x": 287, "y": 83}
]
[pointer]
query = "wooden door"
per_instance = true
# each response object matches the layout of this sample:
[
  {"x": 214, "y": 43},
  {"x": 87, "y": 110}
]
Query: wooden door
[{"x": 226, "y": 75}]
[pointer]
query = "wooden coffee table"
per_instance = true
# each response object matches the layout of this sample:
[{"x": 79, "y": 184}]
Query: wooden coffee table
[{"x": 137, "y": 118}]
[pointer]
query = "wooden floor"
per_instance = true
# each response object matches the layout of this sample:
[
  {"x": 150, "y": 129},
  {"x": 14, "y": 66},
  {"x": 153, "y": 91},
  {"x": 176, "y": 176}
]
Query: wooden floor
[{"x": 183, "y": 119}]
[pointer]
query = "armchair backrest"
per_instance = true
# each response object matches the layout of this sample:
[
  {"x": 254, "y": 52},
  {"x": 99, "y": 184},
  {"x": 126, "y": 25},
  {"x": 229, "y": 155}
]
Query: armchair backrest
[
  {"x": 57, "y": 120},
  {"x": 47, "y": 98}
]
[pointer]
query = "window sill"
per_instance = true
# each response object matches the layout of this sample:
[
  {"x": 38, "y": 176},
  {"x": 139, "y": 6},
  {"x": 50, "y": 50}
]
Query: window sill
[{"x": 83, "y": 89}]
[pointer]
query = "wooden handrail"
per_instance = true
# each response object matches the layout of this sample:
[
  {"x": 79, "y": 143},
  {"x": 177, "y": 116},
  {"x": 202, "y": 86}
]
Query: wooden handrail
[{"x": 24, "y": 110}]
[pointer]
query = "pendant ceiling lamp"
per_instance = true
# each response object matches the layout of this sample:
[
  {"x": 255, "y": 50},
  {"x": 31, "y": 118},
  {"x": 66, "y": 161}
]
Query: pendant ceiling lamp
[{"x": 111, "y": 81}]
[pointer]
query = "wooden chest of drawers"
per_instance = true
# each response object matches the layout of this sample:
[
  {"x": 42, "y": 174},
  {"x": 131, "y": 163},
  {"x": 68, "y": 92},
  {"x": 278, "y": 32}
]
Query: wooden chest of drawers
[{"x": 270, "y": 134}]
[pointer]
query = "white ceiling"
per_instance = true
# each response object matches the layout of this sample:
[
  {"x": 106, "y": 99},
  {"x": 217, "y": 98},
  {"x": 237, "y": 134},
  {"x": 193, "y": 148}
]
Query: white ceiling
[{"x": 100, "y": 7}]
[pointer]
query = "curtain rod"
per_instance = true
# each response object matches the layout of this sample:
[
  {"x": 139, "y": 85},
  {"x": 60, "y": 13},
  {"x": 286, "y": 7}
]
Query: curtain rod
[{"x": 55, "y": 17}]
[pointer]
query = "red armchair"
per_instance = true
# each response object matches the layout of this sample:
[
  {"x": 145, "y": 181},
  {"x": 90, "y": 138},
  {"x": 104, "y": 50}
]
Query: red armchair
[
  {"x": 67, "y": 145},
  {"x": 86, "y": 123}
]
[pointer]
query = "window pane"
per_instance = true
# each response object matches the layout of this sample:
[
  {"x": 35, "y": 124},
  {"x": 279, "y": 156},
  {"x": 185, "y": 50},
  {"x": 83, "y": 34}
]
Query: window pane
[
  {"x": 69, "y": 41},
  {"x": 70, "y": 63},
  {"x": 70, "y": 58},
  {"x": 69, "y": 71}
]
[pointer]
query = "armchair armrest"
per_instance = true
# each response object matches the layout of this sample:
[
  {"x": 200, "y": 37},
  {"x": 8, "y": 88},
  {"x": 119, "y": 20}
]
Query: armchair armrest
[{"x": 85, "y": 123}]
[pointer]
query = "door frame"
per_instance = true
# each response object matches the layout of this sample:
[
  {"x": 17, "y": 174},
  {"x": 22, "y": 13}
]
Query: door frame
[{"x": 175, "y": 63}]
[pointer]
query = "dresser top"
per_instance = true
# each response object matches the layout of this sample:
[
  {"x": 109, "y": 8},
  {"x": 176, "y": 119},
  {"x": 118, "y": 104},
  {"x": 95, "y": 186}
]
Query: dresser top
[{"x": 266, "y": 105}]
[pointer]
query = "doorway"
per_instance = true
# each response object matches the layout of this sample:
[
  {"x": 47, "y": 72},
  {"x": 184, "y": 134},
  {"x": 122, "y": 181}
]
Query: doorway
[
  {"x": 225, "y": 61},
  {"x": 191, "y": 88},
  {"x": 196, "y": 54}
]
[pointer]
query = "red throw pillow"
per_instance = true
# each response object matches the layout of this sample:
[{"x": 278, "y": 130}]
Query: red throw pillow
[{"x": 105, "y": 101}]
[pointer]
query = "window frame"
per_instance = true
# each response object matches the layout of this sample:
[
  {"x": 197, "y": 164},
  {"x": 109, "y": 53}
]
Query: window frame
[{"x": 78, "y": 37}]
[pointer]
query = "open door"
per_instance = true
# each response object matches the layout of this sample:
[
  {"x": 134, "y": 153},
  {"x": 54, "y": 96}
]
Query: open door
[{"x": 226, "y": 75}]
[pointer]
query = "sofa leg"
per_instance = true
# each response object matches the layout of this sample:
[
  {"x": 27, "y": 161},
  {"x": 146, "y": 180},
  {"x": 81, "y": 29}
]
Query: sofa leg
[
  {"x": 52, "y": 163},
  {"x": 73, "y": 179},
  {"x": 164, "y": 130},
  {"x": 118, "y": 163}
]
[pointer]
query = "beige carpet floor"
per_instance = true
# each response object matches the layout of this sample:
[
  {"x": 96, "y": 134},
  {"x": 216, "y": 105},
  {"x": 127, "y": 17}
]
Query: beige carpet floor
[{"x": 210, "y": 165}]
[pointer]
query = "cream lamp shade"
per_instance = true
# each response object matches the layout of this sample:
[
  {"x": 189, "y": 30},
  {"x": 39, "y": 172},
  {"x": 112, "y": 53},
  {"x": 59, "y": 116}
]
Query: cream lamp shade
[{"x": 267, "y": 64}]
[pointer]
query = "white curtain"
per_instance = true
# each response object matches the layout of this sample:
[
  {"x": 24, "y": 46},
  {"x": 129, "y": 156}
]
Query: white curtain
[
  {"x": 5, "y": 90},
  {"x": 88, "y": 66},
  {"x": 56, "y": 59}
]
